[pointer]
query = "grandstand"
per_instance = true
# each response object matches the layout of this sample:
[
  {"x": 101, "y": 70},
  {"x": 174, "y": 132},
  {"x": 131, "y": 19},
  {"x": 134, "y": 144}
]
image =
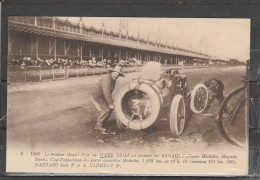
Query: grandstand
[
  {"x": 46, "y": 48},
  {"x": 53, "y": 38}
]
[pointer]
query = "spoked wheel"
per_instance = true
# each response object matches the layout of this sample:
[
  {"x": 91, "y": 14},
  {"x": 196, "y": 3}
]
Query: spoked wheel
[
  {"x": 177, "y": 115},
  {"x": 233, "y": 117},
  {"x": 199, "y": 99}
]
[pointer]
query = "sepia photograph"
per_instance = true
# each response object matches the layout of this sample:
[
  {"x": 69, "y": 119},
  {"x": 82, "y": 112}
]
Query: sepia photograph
[{"x": 128, "y": 96}]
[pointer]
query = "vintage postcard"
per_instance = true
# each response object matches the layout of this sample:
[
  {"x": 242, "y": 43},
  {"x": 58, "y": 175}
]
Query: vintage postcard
[{"x": 128, "y": 96}]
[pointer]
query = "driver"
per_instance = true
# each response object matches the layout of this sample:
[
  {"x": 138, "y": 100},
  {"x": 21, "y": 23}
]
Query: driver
[{"x": 102, "y": 96}]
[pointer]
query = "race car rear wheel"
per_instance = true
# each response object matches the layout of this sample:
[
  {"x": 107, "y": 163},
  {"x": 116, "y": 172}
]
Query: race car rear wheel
[
  {"x": 177, "y": 115},
  {"x": 137, "y": 107},
  {"x": 199, "y": 98}
]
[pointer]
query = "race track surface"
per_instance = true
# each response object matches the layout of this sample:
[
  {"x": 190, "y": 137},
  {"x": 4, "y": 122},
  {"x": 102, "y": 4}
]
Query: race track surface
[{"x": 61, "y": 113}]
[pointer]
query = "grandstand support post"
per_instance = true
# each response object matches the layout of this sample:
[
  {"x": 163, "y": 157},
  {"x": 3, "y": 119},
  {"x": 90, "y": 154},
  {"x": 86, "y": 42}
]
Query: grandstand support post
[
  {"x": 55, "y": 49},
  {"x": 37, "y": 48},
  {"x": 109, "y": 53},
  {"x": 129, "y": 53},
  {"x": 40, "y": 73},
  {"x": 66, "y": 49},
  {"x": 119, "y": 54},
  {"x": 64, "y": 45},
  {"x": 90, "y": 51},
  {"x": 123, "y": 54},
  {"x": 81, "y": 51},
  {"x": 32, "y": 44},
  {"x": 50, "y": 47},
  {"x": 78, "y": 50},
  {"x": 102, "y": 53}
]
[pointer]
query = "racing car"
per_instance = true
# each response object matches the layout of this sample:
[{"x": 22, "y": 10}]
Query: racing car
[{"x": 139, "y": 105}]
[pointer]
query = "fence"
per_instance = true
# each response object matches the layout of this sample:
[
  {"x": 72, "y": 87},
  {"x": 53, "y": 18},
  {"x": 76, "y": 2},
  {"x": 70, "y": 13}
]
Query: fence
[{"x": 18, "y": 74}]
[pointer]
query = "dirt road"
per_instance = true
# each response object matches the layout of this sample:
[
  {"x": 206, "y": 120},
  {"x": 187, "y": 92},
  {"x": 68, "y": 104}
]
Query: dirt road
[{"x": 61, "y": 112}]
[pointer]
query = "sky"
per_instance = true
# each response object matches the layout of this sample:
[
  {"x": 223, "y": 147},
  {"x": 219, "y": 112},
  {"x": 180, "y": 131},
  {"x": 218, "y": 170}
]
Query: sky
[{"x": 224, "y": 38}]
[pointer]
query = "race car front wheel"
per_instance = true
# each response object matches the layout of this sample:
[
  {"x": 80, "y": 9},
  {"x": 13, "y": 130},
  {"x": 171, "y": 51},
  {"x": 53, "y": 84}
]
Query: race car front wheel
[
  {"x": 199, "y": 99},
  {"x": 177, "y": 115}
]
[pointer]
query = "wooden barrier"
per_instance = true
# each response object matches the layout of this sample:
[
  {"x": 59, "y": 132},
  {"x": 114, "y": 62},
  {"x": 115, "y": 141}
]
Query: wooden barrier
[{"x": 18, "y": 74}]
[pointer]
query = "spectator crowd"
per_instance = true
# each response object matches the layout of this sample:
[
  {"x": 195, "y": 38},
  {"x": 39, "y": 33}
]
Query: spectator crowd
[{"x": 59, "y": 62}]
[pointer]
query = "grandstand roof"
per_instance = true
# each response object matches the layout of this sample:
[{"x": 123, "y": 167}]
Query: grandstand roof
[{"x": 47, "y": 31}]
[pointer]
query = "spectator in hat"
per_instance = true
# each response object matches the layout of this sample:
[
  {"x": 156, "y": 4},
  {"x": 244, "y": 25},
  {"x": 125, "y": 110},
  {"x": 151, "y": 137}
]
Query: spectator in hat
[{"x": 102, "y": 96}]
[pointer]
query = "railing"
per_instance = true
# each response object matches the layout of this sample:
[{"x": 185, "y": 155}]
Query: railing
[{"x": 19, "y": 74}]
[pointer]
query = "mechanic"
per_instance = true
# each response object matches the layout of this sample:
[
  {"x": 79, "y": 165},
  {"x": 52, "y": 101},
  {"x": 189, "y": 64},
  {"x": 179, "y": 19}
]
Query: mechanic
[
  {"x": 102, "y": 96},
  {"x": 216, "y": 88}
]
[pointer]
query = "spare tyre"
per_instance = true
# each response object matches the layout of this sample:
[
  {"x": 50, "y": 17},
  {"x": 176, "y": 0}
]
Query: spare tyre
[{"x": 138, "y": 106}]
